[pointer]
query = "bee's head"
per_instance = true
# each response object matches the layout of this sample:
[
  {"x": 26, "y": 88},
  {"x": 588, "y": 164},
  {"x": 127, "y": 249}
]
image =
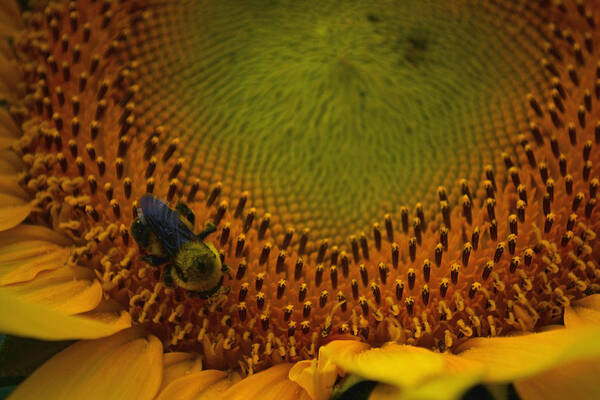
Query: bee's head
[{"x": 140, "y": 232}]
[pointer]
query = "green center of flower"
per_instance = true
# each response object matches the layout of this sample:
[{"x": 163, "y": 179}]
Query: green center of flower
[{"x": 332, "y": 116}]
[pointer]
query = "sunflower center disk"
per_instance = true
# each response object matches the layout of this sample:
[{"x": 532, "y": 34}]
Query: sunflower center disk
[{"x": 332, "y": 116}]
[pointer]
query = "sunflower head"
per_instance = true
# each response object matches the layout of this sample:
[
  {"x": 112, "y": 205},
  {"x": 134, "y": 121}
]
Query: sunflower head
[{"x": 414, "y": 172}]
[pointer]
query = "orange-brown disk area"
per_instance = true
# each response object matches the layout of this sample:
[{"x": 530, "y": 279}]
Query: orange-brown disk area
[{"x": 504, "y": 254}]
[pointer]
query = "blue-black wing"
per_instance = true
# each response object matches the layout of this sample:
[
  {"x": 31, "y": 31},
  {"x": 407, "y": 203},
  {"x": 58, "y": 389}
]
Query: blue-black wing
[{"x": 165, "y": 224}]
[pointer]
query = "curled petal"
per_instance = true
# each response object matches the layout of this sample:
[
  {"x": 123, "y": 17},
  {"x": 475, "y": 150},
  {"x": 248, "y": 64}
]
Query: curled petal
[
  {"x": 408, "y": 372},
  {"x": 318, "y": 376},
  {"x": 398, "y": 365}
]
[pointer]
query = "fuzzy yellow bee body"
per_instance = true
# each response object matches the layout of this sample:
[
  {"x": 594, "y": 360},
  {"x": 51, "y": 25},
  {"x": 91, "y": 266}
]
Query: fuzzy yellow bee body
[{"x": 166, "y": 236}]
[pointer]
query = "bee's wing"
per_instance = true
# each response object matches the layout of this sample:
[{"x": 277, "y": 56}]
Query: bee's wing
[{"x": 165, "y": 224}]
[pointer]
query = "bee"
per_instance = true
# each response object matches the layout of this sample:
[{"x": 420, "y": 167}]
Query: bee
[{"x": 167, "y": 236}]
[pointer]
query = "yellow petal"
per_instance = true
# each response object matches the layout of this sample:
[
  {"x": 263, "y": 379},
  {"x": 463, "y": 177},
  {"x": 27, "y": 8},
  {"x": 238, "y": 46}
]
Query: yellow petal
[
  {"x": 398, "y": 365},
  {"x": 408, "y": 372},
  {"x": 10, "y": 163},
  {"x": 41, "y": 322},
  {"x": 189, "y": 386},
  {"x": 27, "y": 250},
  {"x": 176, "y": 358},
  {"x": 183, "y": 378},
  {"x": 283, "y": 390},
  {"x": 5, "y": 140},
  {"x": 177, "y": 365},
  {"x": 25, "y": 232},
  {"x": 9, "y": 74},
  {"x": 217, "y": 389},
  {"x": 13, "y": 210},
  {"x": 385, "y": 392},
  {"x": 585, "y": 311},
  {"x": 443, "y": 387},
  {"x": 23, "y": 249},
  {"x": 317, "y": 377},
  {"x": 8, "y": 127},
  {"x": 70, "y": 290},
  {"x": 110, "y": 313},
  {"x": 9, "y": 131},
  {"x": 575, "y": 380},
  {"x": 10, "y": 14},
  {"x": 255, "y": 385},
  {"x": 21, "y": 262},
  {"x": 127, "y": 365},
  {"x": 9, "y": 184},
  {"x": 509, "y": 358}
]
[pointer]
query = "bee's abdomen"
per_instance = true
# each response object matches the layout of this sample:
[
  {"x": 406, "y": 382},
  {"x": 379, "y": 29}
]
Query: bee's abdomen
[{"x": 199, "y": 268}]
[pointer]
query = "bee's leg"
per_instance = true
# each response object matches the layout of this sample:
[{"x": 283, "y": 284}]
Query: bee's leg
[
  {"x": 183, "y": 210},
  {"x": 166, "y": 275},
  {"x": 227, "y": 270},
  {"x": 154, "y": 260},
  {"x": 206, "y": 294},
  {"x": 208, "y": 229},
  {"x": 202, "y": 295}
]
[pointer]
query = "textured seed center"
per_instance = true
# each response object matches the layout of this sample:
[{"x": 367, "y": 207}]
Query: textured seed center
[{"x": 333, "y": 116}]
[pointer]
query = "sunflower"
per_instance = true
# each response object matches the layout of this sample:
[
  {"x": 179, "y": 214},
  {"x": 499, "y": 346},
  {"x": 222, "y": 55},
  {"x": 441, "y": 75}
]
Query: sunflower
[{"x": 404, "y": 193}]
